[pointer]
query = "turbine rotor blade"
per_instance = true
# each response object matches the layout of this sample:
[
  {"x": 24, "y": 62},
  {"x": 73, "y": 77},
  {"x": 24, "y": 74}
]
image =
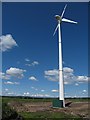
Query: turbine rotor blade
[
  {"x": 70, "y": 21},
  {"x": 55, "y": 30},
  {"x": 63, "y": 11}
]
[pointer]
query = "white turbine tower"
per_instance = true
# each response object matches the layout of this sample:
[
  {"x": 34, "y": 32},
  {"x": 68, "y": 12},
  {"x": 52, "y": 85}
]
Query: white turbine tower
[{"x": 60, "y": 19}]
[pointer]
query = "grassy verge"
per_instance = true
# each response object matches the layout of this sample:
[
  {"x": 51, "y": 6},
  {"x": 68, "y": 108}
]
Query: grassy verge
[{"x": 48, "y": 115}]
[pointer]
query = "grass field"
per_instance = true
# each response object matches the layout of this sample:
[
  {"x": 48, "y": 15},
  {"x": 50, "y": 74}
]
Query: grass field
[
  {"x": 26, "y": 99},
  {"x": 31, "y": 108},
  {"x": 48, "y": 115}
]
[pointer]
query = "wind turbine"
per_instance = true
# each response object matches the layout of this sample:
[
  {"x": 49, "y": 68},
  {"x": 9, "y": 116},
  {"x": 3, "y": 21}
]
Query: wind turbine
[{"x": 60, "y": 19}]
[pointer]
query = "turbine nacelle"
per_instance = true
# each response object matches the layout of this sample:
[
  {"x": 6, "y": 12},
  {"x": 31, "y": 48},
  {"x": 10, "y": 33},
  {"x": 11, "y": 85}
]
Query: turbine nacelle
[{"x": 58, "y": 18}]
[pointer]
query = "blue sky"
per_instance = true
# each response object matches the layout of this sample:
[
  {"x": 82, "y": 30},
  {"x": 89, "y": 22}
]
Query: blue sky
[{"x": 30, "y": 52}]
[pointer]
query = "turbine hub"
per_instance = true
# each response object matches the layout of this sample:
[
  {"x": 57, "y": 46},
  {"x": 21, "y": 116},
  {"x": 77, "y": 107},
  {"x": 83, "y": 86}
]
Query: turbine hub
[{"x": 58, "y": 18}]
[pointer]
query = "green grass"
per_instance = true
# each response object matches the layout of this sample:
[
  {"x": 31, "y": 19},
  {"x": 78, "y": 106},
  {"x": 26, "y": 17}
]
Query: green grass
[
  {"x": 0, "y": 99},
  {"x": 79, "y": 99},
  {"x": 8, "y": 99},
  {"x": 46, "y": 115}
]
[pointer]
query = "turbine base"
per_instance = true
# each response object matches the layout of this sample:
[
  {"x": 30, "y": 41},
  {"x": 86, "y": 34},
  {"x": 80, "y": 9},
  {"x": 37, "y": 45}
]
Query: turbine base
[{"x": 57, "y": 103}]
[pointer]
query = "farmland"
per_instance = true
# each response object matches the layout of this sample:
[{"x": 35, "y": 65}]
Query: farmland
[{"x": 30, "y": 108}]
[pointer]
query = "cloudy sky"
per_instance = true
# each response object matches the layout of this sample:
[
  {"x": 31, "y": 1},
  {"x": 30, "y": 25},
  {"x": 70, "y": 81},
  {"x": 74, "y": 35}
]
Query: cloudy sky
[{"x": 30, "y": 51}]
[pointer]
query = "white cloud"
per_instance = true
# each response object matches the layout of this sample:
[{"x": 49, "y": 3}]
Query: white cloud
[
  {"x": 11, "y": 93},
  {"x": 32, "y": 87},
  {"x": 27, "y": 60},
  {"x": 54, "y": 90},
  {"x": 51, "y": 72},
  {"x": 76, "y": 84},
  {"x": 8, "y": 82},
  {"x": 67, "y": 82},
  {"x": 82, "y": 78},
  {"x": 7, "y": 92},
  {"x": 12, "y": 72},
  {"x": 69, "y": 76},
  {"x": 84, "y": 90},
  {"x": 42, "y": 90},
  {"x": 51, "y": 75},
  {"x": 7, "y": 42},
  {"x": 6, "y": 89},
  {"x": 41, "y": 95},
  {"x": 15, "y": 72},
  {"x": 32, "y": 78},
  {"x": 11, "y": 83},
  {"x": 67, "y": 70},
  {"x": 26, "y": 93},
  {"x": 33, "y": 63},
  {"x": 4, "y": 76}
]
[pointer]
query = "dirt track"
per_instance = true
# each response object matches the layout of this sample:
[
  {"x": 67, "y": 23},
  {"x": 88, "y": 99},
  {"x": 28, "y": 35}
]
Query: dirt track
[{"x": 77, "y": 108}]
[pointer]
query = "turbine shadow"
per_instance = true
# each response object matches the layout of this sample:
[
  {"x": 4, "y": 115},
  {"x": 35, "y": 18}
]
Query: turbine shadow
[{"x": 68, "y": 104}]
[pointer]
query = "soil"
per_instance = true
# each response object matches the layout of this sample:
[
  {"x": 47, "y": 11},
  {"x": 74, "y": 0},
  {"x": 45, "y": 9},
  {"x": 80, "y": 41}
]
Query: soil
[{"x": 80, "y": 109}]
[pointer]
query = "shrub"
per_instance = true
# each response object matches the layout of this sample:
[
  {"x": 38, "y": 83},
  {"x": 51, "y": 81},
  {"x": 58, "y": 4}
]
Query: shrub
[{"x": 8, "y": 113}]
